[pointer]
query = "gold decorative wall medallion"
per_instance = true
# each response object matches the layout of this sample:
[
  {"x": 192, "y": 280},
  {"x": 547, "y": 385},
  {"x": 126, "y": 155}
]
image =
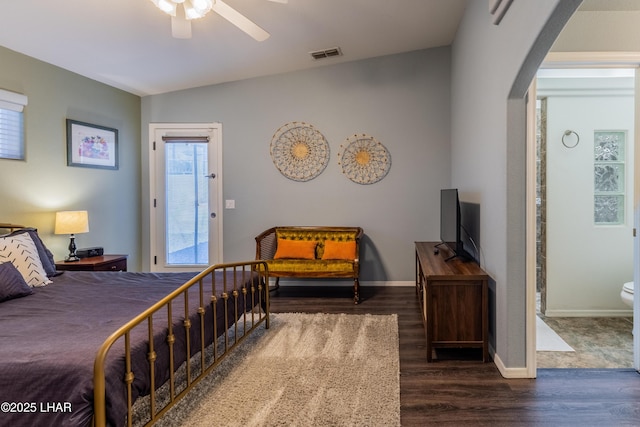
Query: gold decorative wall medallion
[
  {"x": 364, "y": 160},
  {"x": 299, "y": 151}
]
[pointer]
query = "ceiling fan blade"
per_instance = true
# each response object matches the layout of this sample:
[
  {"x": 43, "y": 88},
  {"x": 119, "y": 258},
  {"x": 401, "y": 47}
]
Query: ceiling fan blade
[
  {"x": 240, "y": 21},
  {"x": 180, "y": 28},
  {"x": 180, "y": 25}
]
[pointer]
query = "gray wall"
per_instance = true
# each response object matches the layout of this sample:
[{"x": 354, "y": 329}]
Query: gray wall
[
  {"x": 492, "y": 67},
  {"x": 34, "y": 189},
  {"x": 401, "y": 100}
]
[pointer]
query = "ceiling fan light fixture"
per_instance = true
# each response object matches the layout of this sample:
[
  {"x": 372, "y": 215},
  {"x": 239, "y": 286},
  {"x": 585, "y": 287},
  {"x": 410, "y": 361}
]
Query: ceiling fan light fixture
[
  {"x": 167, "y": 6},
  {"x": 196, "y": 9},
  {"x": 202, "y": 4}
]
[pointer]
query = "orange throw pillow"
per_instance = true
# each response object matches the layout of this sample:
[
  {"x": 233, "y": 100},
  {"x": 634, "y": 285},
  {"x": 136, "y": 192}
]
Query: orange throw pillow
[
  {"x": 298, "y": 249},
  {"x": 339, "y": 250}
]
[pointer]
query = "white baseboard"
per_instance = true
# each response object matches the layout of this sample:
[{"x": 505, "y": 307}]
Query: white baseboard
[
  {"x": 346, "y": 282},
  {"x": 589, "y": 313},
  {"x": 389, "y": 283},
  {"x": 521, "y": 372}
]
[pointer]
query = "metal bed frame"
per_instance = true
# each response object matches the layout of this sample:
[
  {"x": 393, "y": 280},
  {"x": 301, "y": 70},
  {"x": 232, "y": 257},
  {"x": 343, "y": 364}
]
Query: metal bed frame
[{"x": 231, "y": 338}]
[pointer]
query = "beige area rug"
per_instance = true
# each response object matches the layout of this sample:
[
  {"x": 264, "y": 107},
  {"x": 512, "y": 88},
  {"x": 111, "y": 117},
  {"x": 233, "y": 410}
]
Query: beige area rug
[
  {"x": 547, "y": 339},
  {"x": 306, "y": 370}
]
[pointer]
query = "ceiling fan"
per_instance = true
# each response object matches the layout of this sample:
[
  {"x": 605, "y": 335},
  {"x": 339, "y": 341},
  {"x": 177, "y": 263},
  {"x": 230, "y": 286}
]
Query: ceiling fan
[{"x": 193, "y": 9}]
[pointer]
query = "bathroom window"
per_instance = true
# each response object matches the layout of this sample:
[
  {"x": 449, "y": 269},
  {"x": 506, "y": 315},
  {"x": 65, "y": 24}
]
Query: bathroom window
[{"x": 609, "y": 177}]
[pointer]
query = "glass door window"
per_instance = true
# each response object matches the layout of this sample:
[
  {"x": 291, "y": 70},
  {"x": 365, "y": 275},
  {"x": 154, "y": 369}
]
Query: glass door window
[{"x": 187, "y": 203}]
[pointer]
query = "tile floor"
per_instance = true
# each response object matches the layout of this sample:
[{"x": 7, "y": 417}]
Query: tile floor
[{"x": 599, "y": 342}]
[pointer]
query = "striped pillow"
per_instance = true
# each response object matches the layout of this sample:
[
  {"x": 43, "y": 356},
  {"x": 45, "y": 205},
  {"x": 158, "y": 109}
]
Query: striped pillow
[{"x": 20, "y": 251}]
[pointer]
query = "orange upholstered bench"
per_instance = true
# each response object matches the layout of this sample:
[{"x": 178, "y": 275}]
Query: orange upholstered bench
[{"x": 312, "y": 252}]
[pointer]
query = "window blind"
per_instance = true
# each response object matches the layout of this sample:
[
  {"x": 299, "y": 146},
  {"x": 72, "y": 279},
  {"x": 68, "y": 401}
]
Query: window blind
[
  {"x": 11, "y": 134},
  {"x": 12, "y": 124},
  {"x": 185, "y": 138}
]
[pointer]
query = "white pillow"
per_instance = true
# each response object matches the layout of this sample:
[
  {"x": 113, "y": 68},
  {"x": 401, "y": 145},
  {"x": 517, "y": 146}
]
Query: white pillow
[{"x": 23, "y": 254}]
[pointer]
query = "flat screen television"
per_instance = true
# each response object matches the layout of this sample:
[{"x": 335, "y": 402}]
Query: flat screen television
[{"x": 451, "y": 224}]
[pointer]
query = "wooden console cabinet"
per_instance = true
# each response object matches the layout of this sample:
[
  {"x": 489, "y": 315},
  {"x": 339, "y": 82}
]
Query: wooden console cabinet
[{"x": 453, "y": 298}]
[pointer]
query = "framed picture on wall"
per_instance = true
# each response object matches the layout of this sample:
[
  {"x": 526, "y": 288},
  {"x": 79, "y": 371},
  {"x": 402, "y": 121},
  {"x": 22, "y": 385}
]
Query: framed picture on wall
[{"x": 91, "y": 146}]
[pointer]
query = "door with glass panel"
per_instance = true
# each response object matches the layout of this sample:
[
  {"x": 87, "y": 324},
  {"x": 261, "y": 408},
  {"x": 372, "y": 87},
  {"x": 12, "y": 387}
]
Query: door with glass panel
[{"x": 185, "y": 207}]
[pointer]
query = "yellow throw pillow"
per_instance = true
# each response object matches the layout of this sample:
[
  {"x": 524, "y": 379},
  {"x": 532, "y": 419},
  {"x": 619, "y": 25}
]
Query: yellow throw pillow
[
  {"x": 298, "y": 249},
  {"x": 339, "y": 250}
]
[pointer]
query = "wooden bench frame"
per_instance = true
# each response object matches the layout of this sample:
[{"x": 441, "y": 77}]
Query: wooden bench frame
[{"x": 266, "y": 245}]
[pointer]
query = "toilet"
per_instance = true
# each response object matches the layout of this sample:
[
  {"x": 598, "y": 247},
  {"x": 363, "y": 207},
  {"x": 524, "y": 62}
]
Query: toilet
[{"x": 627, "y": 294}]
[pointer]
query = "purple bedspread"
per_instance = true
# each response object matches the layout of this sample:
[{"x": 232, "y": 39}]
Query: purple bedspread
[{"x": 48, "y": 343}]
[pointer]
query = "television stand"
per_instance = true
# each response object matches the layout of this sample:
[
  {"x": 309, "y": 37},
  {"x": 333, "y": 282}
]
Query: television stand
[{"x": 453, "y": 297}]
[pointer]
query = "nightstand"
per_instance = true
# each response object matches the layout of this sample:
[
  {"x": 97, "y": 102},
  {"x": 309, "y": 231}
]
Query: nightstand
[{"x": 95, "y": 263}]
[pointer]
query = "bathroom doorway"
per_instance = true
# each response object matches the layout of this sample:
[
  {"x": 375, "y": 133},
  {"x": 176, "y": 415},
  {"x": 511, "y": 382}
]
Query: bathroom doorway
[{"x": 585, "y": 246}]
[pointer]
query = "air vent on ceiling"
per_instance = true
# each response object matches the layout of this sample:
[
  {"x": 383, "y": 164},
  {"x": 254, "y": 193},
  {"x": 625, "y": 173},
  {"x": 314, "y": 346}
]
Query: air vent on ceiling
[{"x": 326, "y": 53}]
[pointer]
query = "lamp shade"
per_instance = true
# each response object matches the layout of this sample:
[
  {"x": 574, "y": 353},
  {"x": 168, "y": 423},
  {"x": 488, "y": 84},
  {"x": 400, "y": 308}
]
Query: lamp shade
[{"x": 72, "y": 222}]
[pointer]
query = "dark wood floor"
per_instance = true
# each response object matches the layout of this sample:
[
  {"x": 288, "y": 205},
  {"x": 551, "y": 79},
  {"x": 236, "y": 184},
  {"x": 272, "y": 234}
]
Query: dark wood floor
[{"x": 469, "y": 392}]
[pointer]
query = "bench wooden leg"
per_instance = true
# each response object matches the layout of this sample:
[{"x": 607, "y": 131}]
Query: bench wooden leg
[{"x": 356, "y": 291}]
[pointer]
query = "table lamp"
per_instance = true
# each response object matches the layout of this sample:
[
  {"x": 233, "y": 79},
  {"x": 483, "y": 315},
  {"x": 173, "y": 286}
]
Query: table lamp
[{"x": 72, "y": 222}]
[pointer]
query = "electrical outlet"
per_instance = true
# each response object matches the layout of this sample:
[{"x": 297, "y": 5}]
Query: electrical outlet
[{"x": 230, "y": 204}]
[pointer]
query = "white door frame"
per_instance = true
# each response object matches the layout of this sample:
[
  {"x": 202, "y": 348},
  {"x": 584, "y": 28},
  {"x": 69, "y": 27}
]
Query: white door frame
[
  {"x": 184, "y": 129},
  {"x": 636, "y": 227},
  {"x": 577, "y": 60}
]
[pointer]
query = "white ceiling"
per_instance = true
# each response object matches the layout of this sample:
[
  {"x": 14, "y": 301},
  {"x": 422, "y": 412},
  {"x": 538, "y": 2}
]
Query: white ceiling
[{"x": 127, "y": 43}]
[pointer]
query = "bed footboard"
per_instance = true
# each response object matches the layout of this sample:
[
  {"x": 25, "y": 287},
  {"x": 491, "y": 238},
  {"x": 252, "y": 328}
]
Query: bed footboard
[{"x": 215, "y": 310}]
